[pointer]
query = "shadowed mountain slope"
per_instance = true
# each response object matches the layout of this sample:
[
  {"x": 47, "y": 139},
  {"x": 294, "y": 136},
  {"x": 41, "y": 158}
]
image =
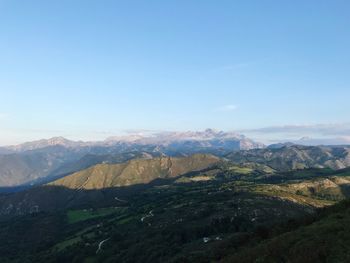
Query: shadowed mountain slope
[
  {"x": 47, "y": 164},
  {"x": 327, "y": 239}
]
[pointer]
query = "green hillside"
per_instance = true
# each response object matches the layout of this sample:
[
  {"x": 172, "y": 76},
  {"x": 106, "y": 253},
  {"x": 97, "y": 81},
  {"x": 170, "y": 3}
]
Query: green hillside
[{"x": 137, "y": 171}]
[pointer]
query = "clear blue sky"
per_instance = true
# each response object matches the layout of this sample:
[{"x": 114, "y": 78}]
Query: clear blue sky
[{"x": 89, "y": 69}]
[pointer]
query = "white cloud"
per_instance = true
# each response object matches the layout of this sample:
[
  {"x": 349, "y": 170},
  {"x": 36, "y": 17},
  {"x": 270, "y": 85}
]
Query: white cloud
[
  {"x": 338, "y": 129},
  {"x": 227, "y": 108},
  {"x": 312, "y": 134}
]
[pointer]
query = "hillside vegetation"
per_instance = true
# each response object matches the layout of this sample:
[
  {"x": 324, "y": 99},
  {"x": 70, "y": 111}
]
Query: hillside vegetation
[
  {"x": 135, "y": 172},
  {"x": 197, "y": 208},
  {"x": 327, "y": 239}
]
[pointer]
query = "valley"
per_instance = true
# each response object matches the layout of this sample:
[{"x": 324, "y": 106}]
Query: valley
[
  {"x": 176, "y": 208},
  {"x": 174, "y": 131},
  {"x": 199, "y": 216}
]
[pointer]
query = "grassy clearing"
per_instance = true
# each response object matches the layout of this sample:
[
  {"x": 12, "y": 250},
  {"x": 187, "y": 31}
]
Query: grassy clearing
[
  {"x": 75, "y": 216},
  {"x": 240, "y": 170}
]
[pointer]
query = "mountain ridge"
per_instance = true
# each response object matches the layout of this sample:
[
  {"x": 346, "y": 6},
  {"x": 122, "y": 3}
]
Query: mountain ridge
[
  {"x": 136, "y": 171},
  {"x": 293, "y": 157},
  {"x": 159, "y": 138}
]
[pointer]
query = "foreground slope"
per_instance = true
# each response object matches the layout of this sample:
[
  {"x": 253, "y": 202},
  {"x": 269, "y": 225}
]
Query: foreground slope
[{"x": 327, "y": 239}]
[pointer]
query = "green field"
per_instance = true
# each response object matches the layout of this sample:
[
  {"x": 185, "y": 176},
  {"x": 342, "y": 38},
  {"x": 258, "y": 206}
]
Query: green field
[{"x": 75, "y": 216}]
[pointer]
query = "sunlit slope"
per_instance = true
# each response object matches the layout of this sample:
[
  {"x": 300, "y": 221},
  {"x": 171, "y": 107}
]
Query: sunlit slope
[{"x": 135, "y": 172}]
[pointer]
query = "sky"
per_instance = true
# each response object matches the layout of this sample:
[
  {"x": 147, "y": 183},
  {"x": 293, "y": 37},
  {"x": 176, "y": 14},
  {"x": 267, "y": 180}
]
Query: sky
[{"x": 273, "y": 70}]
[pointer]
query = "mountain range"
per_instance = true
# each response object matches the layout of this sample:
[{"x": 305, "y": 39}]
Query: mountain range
[
  {"x": 42, "y": 161},
  {"x": 31, "y": 162},
  {"x": 208, "y": 138}
]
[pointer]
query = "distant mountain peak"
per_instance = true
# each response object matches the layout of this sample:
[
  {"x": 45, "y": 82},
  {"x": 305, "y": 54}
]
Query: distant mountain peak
[
  {"x": 213, "y": 131},
  {"x": 57, "y": 140},
  {"x": 54, "y": 141}
]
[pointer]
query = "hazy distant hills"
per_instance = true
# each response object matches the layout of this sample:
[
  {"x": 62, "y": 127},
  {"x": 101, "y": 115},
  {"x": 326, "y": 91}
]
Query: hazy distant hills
[
  {"x": 295, "y": 157},
  {"x": 18, "y": 168},
  {"x": 35, "y": 167}
]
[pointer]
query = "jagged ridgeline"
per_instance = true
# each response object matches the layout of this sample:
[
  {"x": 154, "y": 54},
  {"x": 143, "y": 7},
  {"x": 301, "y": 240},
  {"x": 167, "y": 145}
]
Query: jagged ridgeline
[{"x": 294, "y": 157}]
